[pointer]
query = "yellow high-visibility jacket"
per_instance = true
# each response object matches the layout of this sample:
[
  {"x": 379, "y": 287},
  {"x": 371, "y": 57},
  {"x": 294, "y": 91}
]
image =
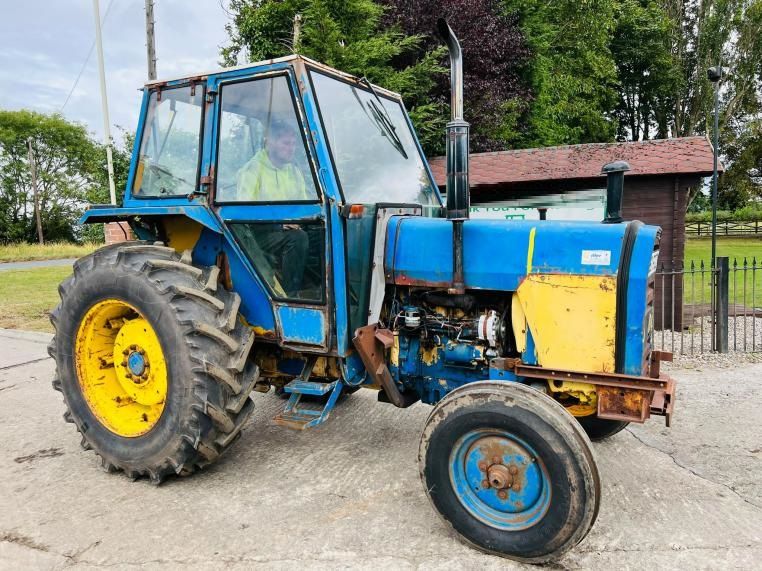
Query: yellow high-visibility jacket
[{"x": 260, "y": 180}]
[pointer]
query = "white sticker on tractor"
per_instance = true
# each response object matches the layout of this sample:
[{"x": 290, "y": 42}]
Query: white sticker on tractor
[{"x": 596, "y": 257}]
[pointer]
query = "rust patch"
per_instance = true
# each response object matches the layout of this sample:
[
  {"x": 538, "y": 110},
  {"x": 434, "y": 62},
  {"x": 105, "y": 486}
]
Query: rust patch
[
  {"x": 371, "y": 344},
  {"x": 262, "y": 332},
  {"x": 606, "y": 285},
  {"x": 402, "y": 279},
  {"x": 623, "y": 404}
]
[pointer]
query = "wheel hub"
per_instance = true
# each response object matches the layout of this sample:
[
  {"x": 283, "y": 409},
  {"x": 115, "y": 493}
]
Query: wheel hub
[
  {"x": 136, "y": 363},
  {"x": 121, "y": 368},
  {"x": 498, "y": 479},
  {"x": 500, "y": 476}
]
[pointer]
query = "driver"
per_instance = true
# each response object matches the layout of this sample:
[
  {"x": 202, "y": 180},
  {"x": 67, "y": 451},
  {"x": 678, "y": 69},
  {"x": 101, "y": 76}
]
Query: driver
[{"x": 270, "y": 176}]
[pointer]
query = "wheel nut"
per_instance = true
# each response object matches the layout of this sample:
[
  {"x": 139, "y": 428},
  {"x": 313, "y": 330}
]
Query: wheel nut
[
  {"x": 145, "y": 376},
  {"x": 482, "y": 465},
  {"x": 133, "y": 347},
  {"x": 141, "y": 351},
  {"x": 496, "y": 459},
  {"x": 126, "y": 352},
  {"x": 513, "y": 470},
  {"x": 124, "y": 363},
  {"x": 502, "y": 494},
  {"x": 485, "y": 484}
]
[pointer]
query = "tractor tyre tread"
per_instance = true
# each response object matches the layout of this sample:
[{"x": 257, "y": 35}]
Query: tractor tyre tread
[{"x": 211, "y": 339}]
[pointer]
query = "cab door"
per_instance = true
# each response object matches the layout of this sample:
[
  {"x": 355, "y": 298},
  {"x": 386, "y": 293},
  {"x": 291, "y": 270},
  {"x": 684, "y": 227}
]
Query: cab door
[{"x": 266, "y": 191}]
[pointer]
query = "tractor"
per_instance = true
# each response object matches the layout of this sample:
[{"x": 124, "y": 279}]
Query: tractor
[{"x": 290, "y": 238}]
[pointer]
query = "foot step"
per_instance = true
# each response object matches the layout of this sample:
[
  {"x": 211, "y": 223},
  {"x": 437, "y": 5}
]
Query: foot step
[
  {"x": 301, "y": 418},
  {"x": 308, "y": 387}
]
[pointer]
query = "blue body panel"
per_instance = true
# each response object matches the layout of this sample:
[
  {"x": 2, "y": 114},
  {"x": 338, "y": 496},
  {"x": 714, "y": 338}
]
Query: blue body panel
[
  {"x": 302, "y": 325},
  {"x": 197, "y": 212},
  {"x": 495, "y": 252}
]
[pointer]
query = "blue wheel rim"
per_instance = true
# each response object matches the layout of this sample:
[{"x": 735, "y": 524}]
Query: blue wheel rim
[{"x": 499, "y": 479}]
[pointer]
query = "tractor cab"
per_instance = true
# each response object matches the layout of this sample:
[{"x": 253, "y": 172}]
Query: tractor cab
[{"x": 289, "y": 160}]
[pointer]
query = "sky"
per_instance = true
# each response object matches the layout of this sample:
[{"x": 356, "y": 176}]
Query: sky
[{"x": 44, "y": 43}]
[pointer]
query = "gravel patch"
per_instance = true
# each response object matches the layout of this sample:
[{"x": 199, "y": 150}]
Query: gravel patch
[{"x": 692, "y": 347}]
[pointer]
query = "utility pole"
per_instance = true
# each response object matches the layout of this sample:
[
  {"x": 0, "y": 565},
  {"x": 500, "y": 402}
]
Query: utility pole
[
  {"x": 33, "y": 169},
  {"x": 297, "y": 32},
  {"x": 150, "y": 41},
  {"x": 104, "y": 102}
]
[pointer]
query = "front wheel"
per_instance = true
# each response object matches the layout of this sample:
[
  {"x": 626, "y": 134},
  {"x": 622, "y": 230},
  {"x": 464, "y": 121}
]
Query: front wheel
[{"x": 510, "y": 470}]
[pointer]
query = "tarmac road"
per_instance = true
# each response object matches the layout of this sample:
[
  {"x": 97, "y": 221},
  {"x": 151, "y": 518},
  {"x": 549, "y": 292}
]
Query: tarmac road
[
  {"x": 347, "y": 495},
  {"x": 36, "y": 264}
]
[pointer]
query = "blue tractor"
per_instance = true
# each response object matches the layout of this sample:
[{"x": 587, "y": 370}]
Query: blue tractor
[{"x": 291, "y": 237}]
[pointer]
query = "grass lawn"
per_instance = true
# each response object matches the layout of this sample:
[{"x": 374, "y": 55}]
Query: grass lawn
[
  {"x": 28, "y": 296},
  {"x": 700, "y": 249},
  {"x": 22, "y": 252},
  {"x": 697, "y": 249}
]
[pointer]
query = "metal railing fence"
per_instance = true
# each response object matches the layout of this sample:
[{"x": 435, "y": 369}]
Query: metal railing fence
[{"x": 693, "y": 314}]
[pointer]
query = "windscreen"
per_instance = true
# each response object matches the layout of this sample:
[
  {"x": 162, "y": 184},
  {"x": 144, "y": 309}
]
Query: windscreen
[
  {"x": 372, "y": 145},
  {"x": 169, "y": 145}
]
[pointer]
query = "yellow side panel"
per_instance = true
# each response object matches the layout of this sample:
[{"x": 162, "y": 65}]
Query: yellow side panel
[
  {"x": 182, "y": 232},
  {"x": 572, "y": 320}
]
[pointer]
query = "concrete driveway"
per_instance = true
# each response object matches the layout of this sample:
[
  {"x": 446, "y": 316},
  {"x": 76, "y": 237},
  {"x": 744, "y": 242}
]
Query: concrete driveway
[{"x": 347, "y": 495}]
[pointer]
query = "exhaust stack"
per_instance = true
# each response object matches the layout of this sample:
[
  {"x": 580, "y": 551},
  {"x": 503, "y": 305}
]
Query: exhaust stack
[
  {"x": 458, "y": 192},
  {"x": 458, "y": 199},
  {"x": 614, "y": 190}
]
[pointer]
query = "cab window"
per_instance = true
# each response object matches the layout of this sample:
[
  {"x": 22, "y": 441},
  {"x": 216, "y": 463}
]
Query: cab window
[
  {"x": 169, "y": 145},
  {"x": 262, "y": 156}
]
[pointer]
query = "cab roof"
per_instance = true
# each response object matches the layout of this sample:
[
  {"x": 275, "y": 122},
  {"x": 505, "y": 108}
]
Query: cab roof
[{"x": 285, "y": 59}]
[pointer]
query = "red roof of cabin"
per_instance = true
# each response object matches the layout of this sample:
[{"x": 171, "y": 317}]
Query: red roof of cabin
[{"x": 687, "y": 155}]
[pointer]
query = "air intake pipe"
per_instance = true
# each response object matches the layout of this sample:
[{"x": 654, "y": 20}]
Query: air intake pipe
[
  {"x": 458, "y": 192},
  {"x": 614, "y": 190}
]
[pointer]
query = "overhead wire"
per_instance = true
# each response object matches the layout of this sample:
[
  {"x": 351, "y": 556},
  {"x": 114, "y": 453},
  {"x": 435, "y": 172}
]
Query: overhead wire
[{"x": 87, "y": 59}]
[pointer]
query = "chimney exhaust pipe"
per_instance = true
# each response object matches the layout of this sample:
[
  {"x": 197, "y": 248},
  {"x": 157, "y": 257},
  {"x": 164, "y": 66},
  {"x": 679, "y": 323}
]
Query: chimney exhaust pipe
[
  {"x": 458, "y": 199},
  {"x": 614, "y": 190},
  {"x": 458, "y": 192}
]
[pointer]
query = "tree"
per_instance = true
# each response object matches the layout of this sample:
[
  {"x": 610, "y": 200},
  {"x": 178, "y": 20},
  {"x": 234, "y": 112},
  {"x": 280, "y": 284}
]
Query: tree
[
  {"x": 70, "y": 171},
  {"x": 571, "y": 72},
  {"x": 703, "y": 34},
  {"x": 494, "y": 53},
  {"x": 648, "y": 74},
  {"x": 742, "y": 181},
  {"x": 346, "y": 34}
]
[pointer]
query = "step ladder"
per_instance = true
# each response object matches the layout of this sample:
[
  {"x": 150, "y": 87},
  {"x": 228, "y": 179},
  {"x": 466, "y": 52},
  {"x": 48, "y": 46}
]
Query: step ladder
[{"x": 302, "y": 417}]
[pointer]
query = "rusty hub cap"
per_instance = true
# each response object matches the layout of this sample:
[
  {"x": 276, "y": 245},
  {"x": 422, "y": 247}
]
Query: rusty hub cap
[{"x": 499, "y": 476}]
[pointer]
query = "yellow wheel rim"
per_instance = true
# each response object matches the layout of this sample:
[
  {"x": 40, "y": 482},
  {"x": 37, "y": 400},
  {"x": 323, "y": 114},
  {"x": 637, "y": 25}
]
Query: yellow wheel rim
[{"x": 121, "y": 368}]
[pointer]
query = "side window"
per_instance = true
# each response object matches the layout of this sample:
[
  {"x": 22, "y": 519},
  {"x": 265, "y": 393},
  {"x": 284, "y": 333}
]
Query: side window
[
  {"x": 262, "y": 155},
  {"x": 289, "y": 257},
  {"x": 169, "y": 146}
]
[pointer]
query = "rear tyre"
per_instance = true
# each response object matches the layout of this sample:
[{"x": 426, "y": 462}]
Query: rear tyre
[
  {"x": 510, "y": 470},
  {"x": 600, "y": 428},
  {"x": 152, "y": 360}
]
